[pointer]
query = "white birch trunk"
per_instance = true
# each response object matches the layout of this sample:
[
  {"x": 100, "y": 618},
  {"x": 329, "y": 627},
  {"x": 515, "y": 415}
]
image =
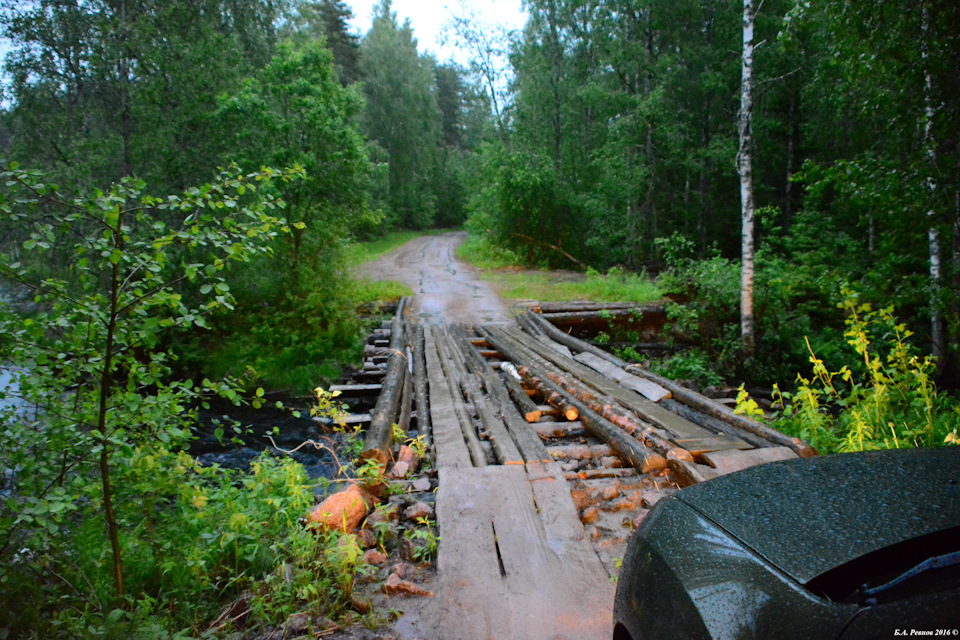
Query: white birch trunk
[
  {"x": 937, "y": 333},
  {"x": 745, "y": 168}
]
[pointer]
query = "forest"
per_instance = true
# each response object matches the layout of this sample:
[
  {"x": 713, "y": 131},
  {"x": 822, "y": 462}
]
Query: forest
[{"x": 185, "y": 184}]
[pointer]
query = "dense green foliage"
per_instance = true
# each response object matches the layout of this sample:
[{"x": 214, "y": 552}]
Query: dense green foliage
[
  {"x": 603, "y": 138},
  {"x": 621, "y": 142}
]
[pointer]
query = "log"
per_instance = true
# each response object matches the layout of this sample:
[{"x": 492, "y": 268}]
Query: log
[
  {"x": 528, "y": 408},
  {"x": 628, "y": 448},
  {"x": 584, "y": 305},
  {"x": 644, "y": 408},
  {"x": 559, "y": 429},
  {"x": 424, "y": 426},
  {"x": 453, "y": 378},
  {"x": 379, "y": 439},
  {"x": 603, "y": 472},
  {"x": 608, "y": 409},
  {"x": 503, "y": 445},
  {"x": 580, "y": 451},
  {"x": 406, "y": 401},
  {"x": 717, "y": 410},
  {"x": 529, "y": 326},
  {"x": 529, "y": 445},
  {"x": 601, "y": 405},
  {"x": 684, "y": 395},
  {"x": 582, "y": 317}
]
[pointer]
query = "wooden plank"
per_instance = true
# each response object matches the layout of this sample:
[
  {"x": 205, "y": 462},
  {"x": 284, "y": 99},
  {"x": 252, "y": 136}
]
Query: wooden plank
[
  {"x": 357, "y": 390},
  {"x": 350, "y": 420},
  {"x": 729, "y": 461},
  {"x": 551, "y": 585},
  {"x": 690, "y": 473},
  {"x": 450, "y": 448},
  {"x": 698, "y": 446},
  {"x": 649, "y": 390}
]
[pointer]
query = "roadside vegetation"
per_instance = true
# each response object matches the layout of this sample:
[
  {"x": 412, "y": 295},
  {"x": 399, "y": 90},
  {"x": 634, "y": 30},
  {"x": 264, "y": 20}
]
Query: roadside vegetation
[{"x": 187, "y": 188}]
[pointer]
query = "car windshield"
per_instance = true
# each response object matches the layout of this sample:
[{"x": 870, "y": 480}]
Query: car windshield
[{"x": 923, "y": 564}]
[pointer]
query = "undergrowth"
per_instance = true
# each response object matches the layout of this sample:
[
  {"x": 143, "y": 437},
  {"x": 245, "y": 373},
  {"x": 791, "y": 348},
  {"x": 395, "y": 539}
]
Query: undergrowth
[
  {"x": 885, "y": 398},
  {"x": 501, "y": 267}
]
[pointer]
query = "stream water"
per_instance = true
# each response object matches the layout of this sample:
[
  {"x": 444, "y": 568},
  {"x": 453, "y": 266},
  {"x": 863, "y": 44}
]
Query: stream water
[{"x": 267, "y": 429}]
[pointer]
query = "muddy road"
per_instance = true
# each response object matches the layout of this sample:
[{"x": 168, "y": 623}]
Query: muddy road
[{"x": 446, "y": 290}]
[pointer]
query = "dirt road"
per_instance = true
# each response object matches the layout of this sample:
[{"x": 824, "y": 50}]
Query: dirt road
[{"x": 445, "y": 289}]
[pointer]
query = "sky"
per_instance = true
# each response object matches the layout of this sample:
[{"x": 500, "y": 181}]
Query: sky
[{"x": 429, "y": 16}]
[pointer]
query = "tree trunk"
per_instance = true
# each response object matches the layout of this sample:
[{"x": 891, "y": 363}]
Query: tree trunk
[
  {"x": 745, "y": 167},
  {"x": 937, "y": 333}
]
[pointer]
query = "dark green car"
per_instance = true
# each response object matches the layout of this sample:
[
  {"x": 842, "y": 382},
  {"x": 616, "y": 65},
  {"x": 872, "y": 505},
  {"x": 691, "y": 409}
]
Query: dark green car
[{"x": 860, "y": 545}]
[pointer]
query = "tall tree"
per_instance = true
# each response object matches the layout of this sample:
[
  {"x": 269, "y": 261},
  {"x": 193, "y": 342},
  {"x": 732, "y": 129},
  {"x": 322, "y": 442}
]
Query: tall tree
[
  {"x": 745, "y": 167},
  {"x": 104, "y": 89},
  {"x": 401, "y": 115},
  {"x": 329, "y": 19}
]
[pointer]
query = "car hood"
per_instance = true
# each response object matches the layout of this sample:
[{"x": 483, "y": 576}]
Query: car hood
[{"x": 812, "y": 515}]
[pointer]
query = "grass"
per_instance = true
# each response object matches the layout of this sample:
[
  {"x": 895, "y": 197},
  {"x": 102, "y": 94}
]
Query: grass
[{"x": 501, "y": 268}]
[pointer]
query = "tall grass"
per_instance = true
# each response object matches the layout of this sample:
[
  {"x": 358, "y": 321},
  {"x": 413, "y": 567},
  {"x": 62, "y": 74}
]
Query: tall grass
[{"x": 501, "y": 267}]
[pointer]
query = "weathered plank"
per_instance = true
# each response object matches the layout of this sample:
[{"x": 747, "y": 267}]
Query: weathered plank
[
  {"x": 451, "y": 450},
  {"x": 649, "y": 390},
  {"x": 729, "y": 461},
  {"x": 357, "y": 390},
  {"x": 698, "y": 446},
  {"x": 514, "y": 561}
]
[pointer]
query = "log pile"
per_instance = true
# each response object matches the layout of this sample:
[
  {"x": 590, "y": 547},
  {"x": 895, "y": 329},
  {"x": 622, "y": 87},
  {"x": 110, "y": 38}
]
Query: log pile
[
  {"x": 647, "y": 421},
  {"x": 582, "y": 318}
]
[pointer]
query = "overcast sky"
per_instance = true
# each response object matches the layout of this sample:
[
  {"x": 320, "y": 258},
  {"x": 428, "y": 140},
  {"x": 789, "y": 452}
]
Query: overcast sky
[{"x": 429, "y": 16}]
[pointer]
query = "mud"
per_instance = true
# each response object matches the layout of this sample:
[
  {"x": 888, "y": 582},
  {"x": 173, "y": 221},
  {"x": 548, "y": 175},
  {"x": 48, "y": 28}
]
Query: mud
[{"x": 446, "y": 290}]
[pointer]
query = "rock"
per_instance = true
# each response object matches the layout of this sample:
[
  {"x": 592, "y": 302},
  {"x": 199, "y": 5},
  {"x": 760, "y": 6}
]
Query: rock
[
  {"x": 581, "y": 498},
  {"x": 609, "y": 493},
  {"x": 400, "y": 470},
  {"x": 395, "y": 586},
  {"x": 298, "y": 624},
  {"x": 360, "y": 605},
  {"x": 366, "y": 538},
  {"x": 418, "y": 510},
  {"x": 343, "y": 511},
  {"x": 590, "y": 515},
  {"x": 386, "y": 515},
  {"x": 421, "y": 484},
  {"x": 403, "y": 570},
  {"x": 375, "y": 557},
  {"x": 408, "y": 456},
  {"x": 408, "y": 550}
]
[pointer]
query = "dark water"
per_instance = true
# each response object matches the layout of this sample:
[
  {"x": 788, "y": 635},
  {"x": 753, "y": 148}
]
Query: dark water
[{"x": 287, "y": 432}]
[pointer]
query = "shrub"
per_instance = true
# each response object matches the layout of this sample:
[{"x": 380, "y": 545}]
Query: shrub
[{"x": 886, "y": 398}]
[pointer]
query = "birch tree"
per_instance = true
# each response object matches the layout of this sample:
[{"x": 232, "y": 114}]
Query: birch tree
[{"x": 745, "y": 168}]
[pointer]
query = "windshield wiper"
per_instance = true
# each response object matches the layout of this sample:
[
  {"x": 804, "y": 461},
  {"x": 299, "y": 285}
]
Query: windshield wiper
[{"x": 930, "y": 564}]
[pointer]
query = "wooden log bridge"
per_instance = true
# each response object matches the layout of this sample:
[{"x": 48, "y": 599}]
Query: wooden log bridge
[{"x": 546, "y": 448}]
